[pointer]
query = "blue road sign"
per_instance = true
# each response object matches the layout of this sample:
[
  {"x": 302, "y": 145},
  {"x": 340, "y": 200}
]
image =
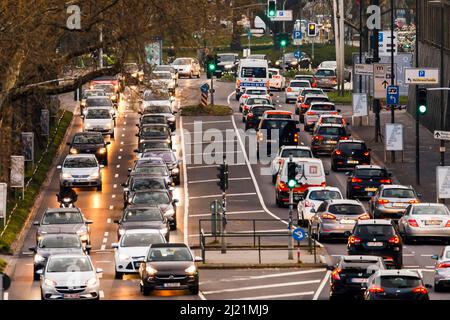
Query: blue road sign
[
  {"x": 204, "y": 88},
  {"x": 380, "y": 37},
  {"x": 421, "y": 73},
  {"x": 299, "y": 234},
  {"x": 297, "y": 35},
  {"x": 392, "y": 95},
  {"x": 298, "y": 54}
]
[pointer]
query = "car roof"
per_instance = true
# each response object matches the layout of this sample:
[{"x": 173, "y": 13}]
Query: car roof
[
  {"x": 141, "y": 206},
  {"x": 352, "y": 141},
  {"x": 356, "y": 258},
  {"x": 322, "y": 102},
  {"x": 152, "y": 191},
  {"x": 295, "y": 147},
  {"x": 380, "y": 222},
  {"x": 140, "y": 231},
  {"x": 69, "y": 255},
  {"x": 396, "y": 186},
  {"x": 168, "y": 245},
  {"x": 315, "y": 95},
  {"x": 397, "y": 272},
  {"x": 303, "y": 159},
  {"x": 99, "y": 107},
  {"x": 324, "y": 188},
  {"x": 304, "y": 75},
  {"x": 52, "y": 210},
  {"x": 278, "y": 112},
  {"x": 60, "y": 234},
  {"x": 80, "y": 155},
  {"x": 343, "y": 201},
  {"x": 369, "y": 166}
]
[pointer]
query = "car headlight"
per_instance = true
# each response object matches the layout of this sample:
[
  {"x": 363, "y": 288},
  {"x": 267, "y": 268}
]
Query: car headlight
[
  {"x": 113, "y": 97},
  {"x": 87, "y": 125},
  {"x": 169, "y": 212},
  {"x": 167, "y": 140},
  {"x": 123, "y": 256},
  {"x": 294, "y": 63},
  {"x": 91, "y": 282},
  {"x": 50, "y": 283},
  {"x": 228, "y": 66},
  {"x": 38, "y": 258},
  {"x": 112, "y": 112},
  {"x": 73, "y": 151},
  {"x": 83, "y": 103},
  {"x": 150, "y": 270},
  {"x": 191, "y": 270},
  {"x": 102, "y": 150},
  {"x": 277, "y": 63},
  {"x": 95, "y": 175},
  {"x": 176, "y": 170},
  {"x": 66, "y": 175},
  {"x": 171, "y": 119}
]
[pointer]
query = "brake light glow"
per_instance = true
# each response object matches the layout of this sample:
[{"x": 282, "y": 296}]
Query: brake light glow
[
  {"x": 394, "y": 240},
  {"x": 311, "y": 113},
  {"x": 276, "y": 77},
  {"x": 335, "y": 274},
  {"x": 289, "y": 89},
  {"x": 338, "y": 152},
  {"x": 318, "y": 137},
  {"x": 413, "y": 201},
  {"x": 308, "y": 203},
  {"x": 323, "y": 184},
  {"x": 382, "y": 201},
  {"x": 250, "y": 115},
  {"x": 238, "y": 83},
  {"x": 443, "y": 265},
  {"x": 282, "y": 186},
  {"x": 353, "y": 240},
  {"x": 420, "y": 290},
  {"x": 343, "y": 138},
  {"x": 356, "y": 180},
  {"x": 385, "y": 181},
  {"x": 366, "y": 153},
  {"x": 413, "y": 223},
  {"x": 376, "y": 289},
  {"x": 296, "y": 137},
  {"x": 305, "y": 106},
  {"x": 246, "y": 108},
  {"x": 328, "y": 216},
  {"x": 447, "y": 225},
  {"x": 364, "y": 216},
  {"x": 244, "y": 96},
  {"x": 313, "y": 85}
]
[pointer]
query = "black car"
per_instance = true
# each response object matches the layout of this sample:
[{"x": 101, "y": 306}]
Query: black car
[
  {"x": 378, "y": 237},
  {"x": 288, "y": 134},
  {"x": 139, "y": 182},
  {"x": 152, "y": 119},
  {"x": 170, "y": 159},
  {"x": 365, "y": 180},
  {"x": 147, "y": 145},
  {"x": 396, "y": 285},
  {"x": 350, "y": 153},
  {"x": 226, "y": 63},
  {"x": 169, "y": 266},
  {"x": 143, "y": 217},
  {"x": 91, "y": 143},
  {"x": 350, "y": 275},
  {"x": 155, "y": 132},
  {"x": 254, "y": 115},
  {"x": 326, "y": 137},
  {"x": 164, "y": 110}
]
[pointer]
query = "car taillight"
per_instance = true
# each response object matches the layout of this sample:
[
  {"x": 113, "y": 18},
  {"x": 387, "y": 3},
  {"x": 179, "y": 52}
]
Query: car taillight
[
  {"x": 318, "y": 138},
  {"x": 443, "y": 265},
  {"x": 343, "y": 138},
  {"x": 238, "y": 83},
  {"x": 276, "y": 77},
  {"x": 364, "y": 216},
  {"x": 246, "y": 108},
  {"x": 353, "y": 240},
  {"x": 385, "y": 181},
  {"x": 447, "y": 225},
  {"x": 394, "y": 240},
  {"x": 356, "y": 180},
  {"x": 334, "y": 113},
  {"x": 313, "y": 85},
  {"x": 382, "y": 201},
  {"x": 282, "y": 186},
  {"x": 244, "y": 96},
  {"x": 323, "y": 184},
  {"x": 296, "y": 137},
  {"x": 413, "y": 201},
  {"x": 289, "y": 89},
  {"x": 420, "y": 290},
  {"x": 413, "y": 223},
  {"x": 250, "y": 115},
  {"x": 305, "y": 106},
  {"x": 335, "y": 274},
  {"x": 328, "y": 216},
  {"x": 338, "y": 152},
  {"x": 376, "y": 289},
  {"x": 366, "y": 153},
  {"x": 311, "y": 113}
]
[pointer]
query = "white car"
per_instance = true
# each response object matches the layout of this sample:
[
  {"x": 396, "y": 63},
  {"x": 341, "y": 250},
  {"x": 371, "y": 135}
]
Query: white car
[
  {"x": 163, "y": 79},
  {"x": 255, "y": 93},
  {"x": 81, "y": 170},
  {"x": 91, "y": 93},
  {"x": 71, "y": 277},
  {"x": 132, "y": 249},
  {"x": 284, "y": 153},
  {"x": 313, "y": 198},
  {"x": 317, "y": 109},
  {"x": 157, "y": 98},
  {"x": 188, "y": 67},
  {"x": 328, "y": 65},
  {"x": 168, "y": 68},
  {"x": 276, "y": 79},
  {"x": 99, "y": 119},
  {"x": 295, "y": 88}
]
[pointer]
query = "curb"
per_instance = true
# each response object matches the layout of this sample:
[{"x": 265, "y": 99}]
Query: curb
[{"x": 260, "y": 266}]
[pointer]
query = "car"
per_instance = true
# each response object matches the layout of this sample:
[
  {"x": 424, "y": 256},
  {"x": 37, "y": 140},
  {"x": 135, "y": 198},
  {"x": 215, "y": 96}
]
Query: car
[
  {"x": 286, "y": 130},
  {"x": 251, "y": 92},
  {"x": 63, "y": 220},
  {"x": 152, "y": 169},
  {"x": 294, "y": 88},
  {"x": 350, "y": 275},
  {"x": 425, "y": 221},
  {"x": 139, "y": 182},
  {"x": 99, "y": 102},
  {"x": 326, "y": 137},
  {"x": 170, "y": 159},
  {"x": 169, "y": 266},
  {"x": 331, "y": 119},
  {"x": 70, "y": 277},
  {"x": 110, "y": 90},
  {"x": 276, "y": 79},
  {"x": 442, "y": 270},
  {"x": 90, "y": 143},
  {"x": 255, "y": 113},
  {"x": 308, "y": 77},
  {"x": 187, "y": 67},
  {"x": 312, "y": 199},
  {"x": 252, "y": 73},
  {"x": 326, "y": 78},
  {"x": 250, "y": 101},
  {"x": 226, "y": 63},
  {"x": 160, "y": 198},
  {"x": 152, "y": 119},
  {"x": 327, "y": 65},
  {"x": 99, "y": 119},
  {"x": 148, "y": 145},
  {"x": 289, "y": 61},
  {"x": 277, "y": 114},
  {"x": 143, "y": 217},
  {"x": 90, "y": 93},
  {"x": 156, "y": 98},
  {"x": 315, "y": 110},
  {"x": 302, "y": 95},
  {"x": 162, "y": 79},
  {"x": 284, "y": 153},
  {"x": 168, "y": 68},
  {"x": 335, "y": 218},
  {"x": 162, "y": 110},
  {"x": 81, "y": 170},
  {"x": 55, "y": 243},
  {"x": 132, "y": 74},
  {"x": 396, "y": 285},
  {"x": 306, "y": 103},
  {"x": 160, "y": 132},
  {"x": 132, "y": 248},
  {"x": 350, "y": 153},
  {"x": 311, "y": 174},
  {"x": 365, "y": 180},
  {"x": 377, "y": 237},
  {"x": 391, "y": 200}
]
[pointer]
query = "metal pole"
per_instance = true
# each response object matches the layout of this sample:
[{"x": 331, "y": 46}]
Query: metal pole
[
  {"x": 392, "y": 69},
  {"x": 443, "y": 116},
  {"x": 291, "y": 240},
  {"x": 312, "y": 51},
  {"x": 417, "y": 90},
  {"x": 212, "y": 90},
  {"x": 360, "y": 41},
  {"x": 100, "y": 55},
  {"x": 284, "y": 23},
  {"x": 284, "y": 61},
  {"x": 224, "y": 218},
  {"x": 376, "y": 59}
]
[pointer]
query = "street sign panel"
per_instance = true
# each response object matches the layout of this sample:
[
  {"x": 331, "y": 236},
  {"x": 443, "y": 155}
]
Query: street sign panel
[
  {"x": 3, "y": 199},
  {"x": 381, "y": 79},
  {"x": 422, "y": 76},
  {"x": 360, "y": 105},
  {"x": 441, "y": 135},
  {"x": 297, "y": 35},
  {"x": 364, "y": 69},
  {"x": 392, "y": 95},
  {"x": 443, "y": 182},
  {"x": 384, "y": 43},
  {"x": 204, "y": 88},
  {"x": 394, "y": 137},
  {"x": 299, "y": 234},
  {"x": 283, "y": 15},
  {"x": 298, "y": 54}
]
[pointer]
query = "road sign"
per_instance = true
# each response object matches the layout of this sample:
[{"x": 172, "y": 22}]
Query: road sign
[
  {"x": 364, "y": 69},
  {"x": 392, "y": 95},
  {"x": 3, "y": 198},
  {"x": 421, "y": 76},
  {"x": 382, "y": 76},
  {"x": 283, "y": 15},
  {"x": 297, "y": 35},
  {"x": 298, "y": 54},
  {"x": 443, "y": 182},
  {"x": 204, "y": 88},
  {"x": 394, "y": 137},
  {"x": 384, "y": 43},
  {"x": 299, "y": 234},
  {"x": 441, "y": 135},
  {"x": 360, "y": 105}
]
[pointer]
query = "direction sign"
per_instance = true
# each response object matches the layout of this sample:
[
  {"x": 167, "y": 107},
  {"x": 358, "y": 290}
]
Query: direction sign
[
  {"x": 298, "y": 54},
  {"x": 364, "y": 69},
  {"x": 441, "y": 135},
  {"x": 299, "y": 234},
  {"x": 392, "y": 95},
  {"x": 381, "y": 79},
  {"x": 283, "y": 15},
  {"x": 204, "y": 88},
  {"x": 385, "y": 43},
  {"x": 394, "y": 137},
  {"x": 421, "y": 75}
]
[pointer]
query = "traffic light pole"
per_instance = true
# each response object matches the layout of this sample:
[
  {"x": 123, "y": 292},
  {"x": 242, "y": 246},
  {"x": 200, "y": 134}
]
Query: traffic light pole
[
  {"x": 417, "y": 96},
  {"x": 211, "y": 90},
  {"x": 392, "y": 69},
  {"x": 224, "y": 222},
  {"x": 291, "y": 239}
]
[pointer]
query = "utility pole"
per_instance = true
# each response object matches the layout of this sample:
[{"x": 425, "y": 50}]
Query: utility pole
[
  {"x": 392, "y": 69},
  {"x": 376, "y": 59},
  {"x": 417, "y": 96}
]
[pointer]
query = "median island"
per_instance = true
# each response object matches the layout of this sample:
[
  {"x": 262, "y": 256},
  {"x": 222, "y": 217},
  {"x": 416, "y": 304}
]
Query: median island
[{"x": 200, "y": 110}]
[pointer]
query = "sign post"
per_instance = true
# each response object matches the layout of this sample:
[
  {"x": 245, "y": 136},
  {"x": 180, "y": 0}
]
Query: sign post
[
  {"x": 394, "y": 139},
  {"x": 204, "y": 89},
  {"x": 3, "y": 198},
  {"x": 297, "y": 36},
  {"x": 442, "y": 182}
]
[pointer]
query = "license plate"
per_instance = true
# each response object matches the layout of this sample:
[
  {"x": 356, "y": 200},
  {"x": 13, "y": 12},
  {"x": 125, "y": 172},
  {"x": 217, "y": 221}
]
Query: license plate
[
  {"x": 331, "y": 142},
  {"x": 374, "y": 244},
  {"x": 399, "y": 204},
  {"x": 371, "y": 189},
  {"x": 71, "y": 296},
  {"x": 78, "y": 180},
  {"x": 345, "y": 221},
  {"x": 359, "y": 280},
  {"x": 352, "y": 161},
  {"x": 172, "y": 285},
  {"x": 432, "y": 222}
]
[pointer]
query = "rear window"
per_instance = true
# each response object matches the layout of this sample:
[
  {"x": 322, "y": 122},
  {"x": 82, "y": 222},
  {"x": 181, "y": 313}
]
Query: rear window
[
  {"x": 430, "y": 210},
  {"x": 371, "y": 173},
  {"x": 254, "y": 72},
  {"x": 323, "y": 107},
  {"x": 346, "y": 209},
  {"x": 331, "y": 131},
  {"x": 312, "y": 91},
  {"x": 256, "y": 92},
  {"x": 260, "y": 110},
  {"x": 251, "y": 101},
  {"x": 375, "y": 230},
  {"x": 323, "y": 195},
  {"x": 300, "y": 84},
  {"x": 400, "y": 282},
  {"x": 356, "y": 147},
  {"x": 296, "y": 153},
  {"x": 332, "y": 120},
  {"x": 399, "y": 193},
  {"x": 278, "y": 124},
  {"x": 325, "y": 73},
  {"x": 323, "y": 99}
]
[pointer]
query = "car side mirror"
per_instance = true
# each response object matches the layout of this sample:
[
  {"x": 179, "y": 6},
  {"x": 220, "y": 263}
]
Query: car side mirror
[
  {"x": 198, "y": 259},
  {"x": 108, "y": 143},
  {"x": 419, "y": 195},
  {"x": 36, "y": 223},
  {"x": 435, "y": 257},
  {"x": 126, "y": 189},
  {"x": 88, "y": 221},
  {"x": 99, "y": 270},
  {"x": 137, "y": 125},
  {"x": 33, "y": 249},
  {"x": 114, "y": 245},
  {"x": 40, "y": 271}
]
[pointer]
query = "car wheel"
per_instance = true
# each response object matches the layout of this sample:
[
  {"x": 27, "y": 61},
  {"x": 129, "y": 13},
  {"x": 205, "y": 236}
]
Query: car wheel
[
  {"x": 177, "y": 181},
  {"x": 286, "y": 101},
  {"x": 118, "y": 275},
  {"x": 194, "y": 290},
  {"x": 36, "y": 276},
  {"x": 99, "y": 187},
  {"x": 145, "y": 291},
  {"x": 437, "y": 287},
  {"x": 173, "y": 226}
]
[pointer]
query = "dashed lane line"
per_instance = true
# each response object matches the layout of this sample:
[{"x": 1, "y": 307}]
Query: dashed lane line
[
  {"x": 278, "y": 296},
  {"x": 220, "y": 195}
]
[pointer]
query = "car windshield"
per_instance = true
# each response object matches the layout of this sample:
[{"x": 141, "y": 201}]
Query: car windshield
[
  {"x": 310, "y": 100},
  {"x": 282, "y": 125},
  {"x": 260, "y": 110},
  {"x": 431, "y": 210},
  {"x": 346, "y": 209},
  {"x": 375, "y": 230},
  {"x": 157, "y": 109},
  {"x": 158, "y": 170},
  {"x": 98, "y": 102},
  {"x": 141, "y": 239},
  {"x": 93, "y": 93},
  {"x": 311, "y": 91},
  {"x": 162, "y": 75},
  {"x": 153, "y": 119},
  {"x": 325, "y": 73},
  {"x": 153, "y": 145},
  {"x": 296, "y": 153},
  {"x": 355, "y": 146},
  {"x": 332, "y": 120},
  {"x": 156, "y": 96},
  {"x": 69, "y": 264},
  {"x": 147, "y": 214},
  {"x": 62, "y": 218},
  {"x": 80, "y": 162},
  {"x": 400, "y": 282},
  {"x": 226, "y": 58},
  {"x": 399, "y": 193},
  {"x": 69, "y": 241},
  {"x": 109, "y": 88},
  {"x": 148, "y": 183},
  {"x": 154, "y": 131},
  {"x": 251, "y": 101},
  {"x": 181, "y": 61},
  {"x": 151, "y": 198},
  {"x": 98, "y": 114},
  {"x": 376, "y": 173},
  {"x": 255, "y": 92},
  {"x": 254, "y": 72},
  {"x": 169, "y": 254},
  {"x": 164, "y": 68},
  {"x": 331, "y": 131},
  {"x": 323, "y": 195},
  {"x": 300, "y": 84},
  {"x": 167, "y": 156},
  {"x": 323, "y": 107},
  {"x": 88, "y": 139}
]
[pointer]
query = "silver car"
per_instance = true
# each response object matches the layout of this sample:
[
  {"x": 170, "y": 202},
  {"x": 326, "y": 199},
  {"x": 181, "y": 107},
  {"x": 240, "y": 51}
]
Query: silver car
[
  {"x": 425, "y": 220},
  {"x": 70, "y": 276},
  {"x": 391, "y": 201},
  {"x": 442, "y": 270},
  {"x": 81, "y": 170}
]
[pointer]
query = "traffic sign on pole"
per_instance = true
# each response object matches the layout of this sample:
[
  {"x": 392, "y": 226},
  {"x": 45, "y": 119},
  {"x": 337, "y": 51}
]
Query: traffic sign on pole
[
  {"x": 297, "y": 35},
  {"x": 298, "y": 54},
  {"x": 299, "y": 234},
  {"x": 421, "y": 75},
  {"x": 392, "y": 95},
  {"x": 442, "y": 135}
]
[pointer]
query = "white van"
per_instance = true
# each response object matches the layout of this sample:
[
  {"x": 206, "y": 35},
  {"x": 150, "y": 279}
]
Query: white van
[
  {"x": 252, "y": 73},
  {"x": 310, "y": 173}
]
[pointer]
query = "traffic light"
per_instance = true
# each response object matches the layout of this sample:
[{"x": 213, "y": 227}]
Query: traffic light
[
  {"x": 271, "y": 8},
  {"x": 292, "y": 167},
  {"x": 223, "y": 177},
  {"x": 312, "y": 30},
  {"x": 211, "y": 64},
  {"x": 422, "y": 105},
  {"x": 283, "y": 40}
]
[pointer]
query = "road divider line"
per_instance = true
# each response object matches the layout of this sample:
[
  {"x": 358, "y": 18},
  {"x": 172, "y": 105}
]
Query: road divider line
[
  {"x": 118, "y": 166},
  {"x": 214, "y": 166},
  {"x": 121, "y": 150},
  {"x": 215, "y": 152},
  {"x": 115, "y": 186},
  {"x": 121, "y": 142},
  {"x": 212, "y": 141},
  {"x": 231, "y": 212},
  {"x": 106, "y": 234},
  {"x": 185, "y": 184},
  {"x": 119, "y": 157},
  {"x": 275, "y": 296},
  {"x": 105, "y": 240},
  {"x": 207, "y": 122},
  {"x": 116, "y": 175},
  {"x": 202, "y": 297},
  {"x": 103, "y": 261},
  {"x": 212, "y": 180},
  {"x": 108, "y": 220},
  {"x": 220, "y": 195},
  {"x": 103, "y": 247},
  {"x": 322, "y": 285},
  {"x": 111, "y": 207}
]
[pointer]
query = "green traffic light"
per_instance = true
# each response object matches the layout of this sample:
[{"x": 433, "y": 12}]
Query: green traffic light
[
  {"x": 283, "y": 43},
  {"x": 271, "y": 13},
  {"x": 292, "y": 183},
  {"x": 422, "y": 109},
  {"x": 212, "y": 67}
]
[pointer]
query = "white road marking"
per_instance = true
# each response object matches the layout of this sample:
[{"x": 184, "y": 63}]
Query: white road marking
[
  {"x": 125, "y": 123},
  {"x": 106, "y": 234},
  {"x": 29, "y": 264},
  {"x": 102, "y": 294},
  {"x": 111, "y": 207},
  {"x": 212, "y": 141},
  {"x": 185, "y": 184},
  {"x": 118, "y": 166},
  {"x": 275, "y": 296},
  {"x": 231, "y": 212},
  {"x": 121, "y": 142},
  {"x": 202, "y": 297},
  {"x": 113, "y": 196},
  {"x": 215, "y": 166},
  {"x": 121, "y": 150},
  {"x": 215, "y": 152},
  {"x": 119, "y": 157},
  {"x": 27, "y": 253},
  {"x": 103, "y": 247},
  {"x": 108, "y": 220},
  {"x": 116, "y": 175},
  {"x": 430, "y": 267},
  {"x": 411, "y": 267},
  {"x": 212, "y": 180},
  {"x": 322, "y": 285},
  {"x": 229, "y": 96},
  {"x": 115, "y": 186},
  {"x": 5, "y": 296},
  {"x": 124, "y": 129},
  {"x": 220, "y": 195},
  {"x": 207, "y": 122},
  {"x": 426, "y": 255},
  {"x": 105, "y": 240},
  {"x": 275, "y": 285},
  {"x": 409, "y": 255},
  {"x": 123, "y": 134}
]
